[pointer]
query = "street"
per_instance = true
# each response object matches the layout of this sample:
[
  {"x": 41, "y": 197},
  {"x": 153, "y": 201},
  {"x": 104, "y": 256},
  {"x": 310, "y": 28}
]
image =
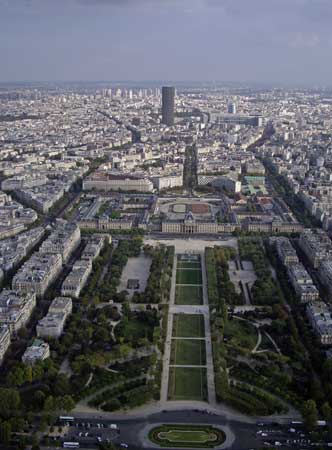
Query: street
[{"x": 89, "y": 430}]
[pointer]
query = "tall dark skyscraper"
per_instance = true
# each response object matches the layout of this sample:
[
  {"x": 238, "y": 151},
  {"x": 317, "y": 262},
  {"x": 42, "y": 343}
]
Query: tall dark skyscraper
[{"x": 168, "y": 98}]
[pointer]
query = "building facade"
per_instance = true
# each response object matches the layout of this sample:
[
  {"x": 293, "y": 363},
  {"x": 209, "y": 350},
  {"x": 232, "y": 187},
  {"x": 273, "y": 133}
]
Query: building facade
[
  {"x": 16, "y": 309},
  {"x": 38, "y": 273},
  {"x": 4, "y": 341},
  {"x": 168, "y": 105}
]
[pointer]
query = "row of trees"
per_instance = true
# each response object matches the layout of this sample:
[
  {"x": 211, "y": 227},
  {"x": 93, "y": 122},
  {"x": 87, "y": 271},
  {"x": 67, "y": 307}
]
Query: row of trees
[
  {"x": 226, "y": 288},
  {"x": 159, "y": 281},
  {"x": 265, "y": 291},
  {"x": 318, "y": 369},
  {"x": 294, "y": 202}
]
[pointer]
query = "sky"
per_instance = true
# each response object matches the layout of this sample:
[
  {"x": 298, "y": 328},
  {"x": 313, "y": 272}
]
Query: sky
[{"x": 277, "y": 41}]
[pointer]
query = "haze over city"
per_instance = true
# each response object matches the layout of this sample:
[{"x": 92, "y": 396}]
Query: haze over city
[{"x": 275, "y": 41}]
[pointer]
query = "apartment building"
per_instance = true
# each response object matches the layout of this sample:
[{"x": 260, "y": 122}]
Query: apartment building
[
  {"x": 325, "y": 275},
  {"x": 4, "y": 341},
  {"x": 23, "y": 181},
  {"x": 317, "y": 246},
  {"x": 93, "y": 247},
  {"x": 302, "y": 283},
  {"x": 320, "y": 319},
  {"x": 64, "y": 240},
  {"x": 37, "y": 274},
  {"x": 77, "y": 278},
  {"x": 286, "y": 251},
  {"x": 53, "y": 323},
  {"x": 16, "y": 309}
]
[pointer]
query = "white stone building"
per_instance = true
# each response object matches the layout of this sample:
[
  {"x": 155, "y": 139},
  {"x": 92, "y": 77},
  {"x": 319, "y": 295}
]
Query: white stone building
[
  {"x": 53, "y": 323},
  {"x": 16, "y": 309},
  {"x": 38, "y": 351},
  {"x": 37, "y": 274}
]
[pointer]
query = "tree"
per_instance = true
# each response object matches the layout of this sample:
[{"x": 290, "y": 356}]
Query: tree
[
  {"x": 43, "y": 425},
  {"x": 38, "y": 371},
  {"x": 61, "y": 385},
  {"x": 39, "y": 398},
  {"x": 5, "y": 433},
  {"x": 67, "y": 403},
  {"x": 327, "y": 411},
  {"x": 50, "y": 404},
  {"x": 126, "y": 311},
  {"x": 9, "y": 402},
  {"x": 102, "y": 335},
  {"x": 28, "y": 374},
  {"x": 17, "y": 423},
  {"x": 316, "y": 390},
  {"x": 310, "y": 414},
  {"x": 222, "y": 385},
  {"x": 35, "y": 441},
  {"x": 16, "y": 377}
]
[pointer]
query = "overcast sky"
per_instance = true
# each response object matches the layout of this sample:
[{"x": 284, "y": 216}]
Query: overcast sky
[{"x": 286, "y": 41}]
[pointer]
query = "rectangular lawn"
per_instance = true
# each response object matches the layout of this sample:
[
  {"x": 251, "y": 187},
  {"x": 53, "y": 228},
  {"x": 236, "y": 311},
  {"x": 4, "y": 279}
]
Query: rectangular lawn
[
  {"x": 188, "y": 295},
  {"x": 188, "y": 325},
  {"x": 188, "y": 352},
  {"x": 188, "y": 276},
  {"x": 187, "y": 384}
]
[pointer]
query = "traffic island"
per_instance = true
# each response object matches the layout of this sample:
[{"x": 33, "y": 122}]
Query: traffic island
[{"x": 187, "y": 436}]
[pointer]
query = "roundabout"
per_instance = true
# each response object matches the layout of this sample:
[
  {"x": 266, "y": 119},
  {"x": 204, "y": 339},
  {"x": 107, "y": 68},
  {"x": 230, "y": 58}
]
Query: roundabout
[{"x": 187, "y": 436}]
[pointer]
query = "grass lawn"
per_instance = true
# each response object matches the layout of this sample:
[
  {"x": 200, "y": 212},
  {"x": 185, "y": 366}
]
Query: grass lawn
[
  {"x": 188, "y": 352},
  {"x": 187, "y": 436},
  {"x": 187, "y": 384},
  {"x": 188, "y": 295},
  {"x": 133, "y": 329},
  {"x": 240, "y": 334},
  {"x": 188, "y": 276},
  {"x": 188, "y": 325}
]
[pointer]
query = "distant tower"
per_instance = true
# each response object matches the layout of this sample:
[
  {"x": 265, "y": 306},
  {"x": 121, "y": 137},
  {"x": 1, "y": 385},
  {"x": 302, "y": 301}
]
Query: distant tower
[
  {"x": 231, "y": 108},
  {"x": 168, "y": 99}
]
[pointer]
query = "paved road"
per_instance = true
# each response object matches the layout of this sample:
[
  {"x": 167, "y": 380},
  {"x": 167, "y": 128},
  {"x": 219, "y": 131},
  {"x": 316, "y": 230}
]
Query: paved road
[{"x": 133, "y": 431}]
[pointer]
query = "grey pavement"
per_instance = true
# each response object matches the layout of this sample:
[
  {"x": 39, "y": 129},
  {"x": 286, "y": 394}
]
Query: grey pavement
[{"x": 167, "y": 351}]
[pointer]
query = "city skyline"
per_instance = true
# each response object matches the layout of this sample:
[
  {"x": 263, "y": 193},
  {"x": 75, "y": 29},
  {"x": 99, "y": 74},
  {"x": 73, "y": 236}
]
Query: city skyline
[{"x": 202, "y": 40}]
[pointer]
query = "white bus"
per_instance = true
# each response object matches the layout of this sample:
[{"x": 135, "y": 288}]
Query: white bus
[
  {"x": 71, "y": 445},
  {"x": 66, "y": 419}
]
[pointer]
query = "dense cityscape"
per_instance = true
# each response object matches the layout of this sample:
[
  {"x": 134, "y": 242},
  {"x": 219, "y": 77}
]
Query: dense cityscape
[{"x": 166, "y": 266}]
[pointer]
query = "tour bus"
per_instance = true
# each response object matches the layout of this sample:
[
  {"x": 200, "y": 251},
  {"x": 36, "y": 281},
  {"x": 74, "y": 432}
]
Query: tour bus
[
  {"x": 71, "y": 445},
  {"x": 66, "y": 419}
]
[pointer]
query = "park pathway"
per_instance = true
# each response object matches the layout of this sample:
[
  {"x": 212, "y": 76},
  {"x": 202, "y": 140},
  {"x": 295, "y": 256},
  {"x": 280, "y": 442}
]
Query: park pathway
[
  {"x": 167, "y": 351},
  {"x": 209, "y": 354}
]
